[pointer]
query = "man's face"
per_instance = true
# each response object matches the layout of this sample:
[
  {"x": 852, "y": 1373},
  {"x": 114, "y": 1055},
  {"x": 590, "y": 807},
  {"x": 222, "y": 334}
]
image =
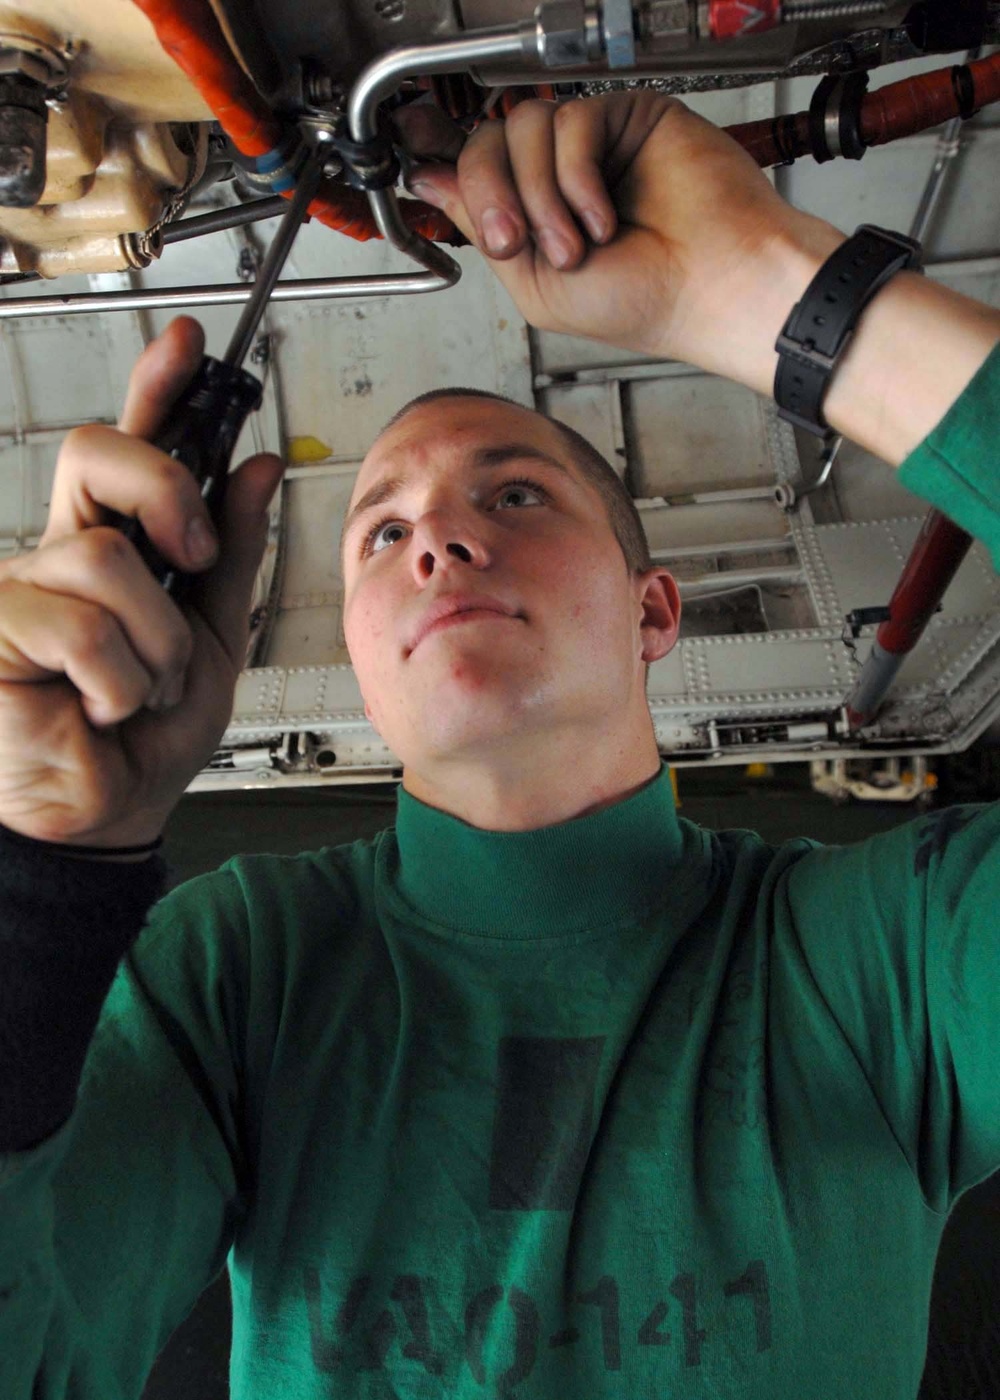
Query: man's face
[{"x": 556, "y": 645}]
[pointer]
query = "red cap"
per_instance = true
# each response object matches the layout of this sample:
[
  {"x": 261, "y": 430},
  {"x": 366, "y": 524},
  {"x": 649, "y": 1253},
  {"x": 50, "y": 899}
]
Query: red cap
[{"x": 730, "y": 19}]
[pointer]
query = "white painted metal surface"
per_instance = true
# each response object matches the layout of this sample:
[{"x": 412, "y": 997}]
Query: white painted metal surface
[{"x": 763, "y": 665}]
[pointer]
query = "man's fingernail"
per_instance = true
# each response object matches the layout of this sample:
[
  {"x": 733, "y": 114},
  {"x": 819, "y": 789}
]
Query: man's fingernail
[
  {"x": 200, "y": 541},
  {"x": 596, "y": 223},
  {"x": 425, "y": 192},
  {"x": 555, "y": 247},
  {"x": 499, "y": 231}
]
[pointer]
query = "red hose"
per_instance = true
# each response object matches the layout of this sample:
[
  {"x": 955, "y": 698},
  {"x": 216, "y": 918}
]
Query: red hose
[
  {"x": 898, "y": 109},
  {"x": 917, "y": 103},
  {"x": 934, "y": 560},
  {"x": 190, "y": 33}
]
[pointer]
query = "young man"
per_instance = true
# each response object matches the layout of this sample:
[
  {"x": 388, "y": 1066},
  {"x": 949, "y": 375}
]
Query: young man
[{"x": 544, "y": 1092}]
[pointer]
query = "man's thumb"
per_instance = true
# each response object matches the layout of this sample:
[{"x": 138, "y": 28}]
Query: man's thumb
[
  {"x": 260, "y": 478},
  {"x": 437, "y": 185}
]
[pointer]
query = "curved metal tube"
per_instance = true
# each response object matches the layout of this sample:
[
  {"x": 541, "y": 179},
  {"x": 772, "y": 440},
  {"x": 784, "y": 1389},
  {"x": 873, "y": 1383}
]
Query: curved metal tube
[
  {"x": 380, "y": 80},
  {"x": 383, "y": 75}
]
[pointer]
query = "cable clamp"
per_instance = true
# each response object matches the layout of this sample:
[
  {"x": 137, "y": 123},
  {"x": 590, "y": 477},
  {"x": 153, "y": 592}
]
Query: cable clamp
[
  {"x": 964, "y": 88},
  {"x": 835, "y": 117},
  {"x": 368, "y": 165},
  {"x": 278, "y": 169}
]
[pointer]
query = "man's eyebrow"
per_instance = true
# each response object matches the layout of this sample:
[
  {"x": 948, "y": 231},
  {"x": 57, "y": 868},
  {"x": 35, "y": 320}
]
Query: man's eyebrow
[{"x": 482, "y": 457}]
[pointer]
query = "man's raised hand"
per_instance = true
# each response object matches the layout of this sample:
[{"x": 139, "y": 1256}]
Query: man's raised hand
[
  {"x": 111, "y": 697},
  {"x": 626, "y": 218}
]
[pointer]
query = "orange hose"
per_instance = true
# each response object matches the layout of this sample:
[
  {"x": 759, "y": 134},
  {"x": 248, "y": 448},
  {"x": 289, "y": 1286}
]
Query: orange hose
[
  {"x": 190, "y": 34},
  {"x": 917, "y": 103},
  {"x": 896, "y": 110}
]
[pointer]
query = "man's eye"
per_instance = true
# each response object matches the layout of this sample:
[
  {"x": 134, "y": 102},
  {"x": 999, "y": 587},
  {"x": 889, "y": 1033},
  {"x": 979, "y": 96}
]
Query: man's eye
[
  {"x": 518, "y": 487},
  {"x": 373, "y": 532},
  {"x": 514, "y": 488}
]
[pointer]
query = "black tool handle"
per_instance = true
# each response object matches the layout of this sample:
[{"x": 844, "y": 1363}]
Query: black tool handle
[{"x": 201, "y": 432}]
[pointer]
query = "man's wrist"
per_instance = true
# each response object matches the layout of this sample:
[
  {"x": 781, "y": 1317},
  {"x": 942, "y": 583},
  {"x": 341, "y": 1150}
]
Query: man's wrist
[
  {"x": 739, "y": 319},
  {"x": 915, "y": 347},
  {"x": 113, "y": 845}
]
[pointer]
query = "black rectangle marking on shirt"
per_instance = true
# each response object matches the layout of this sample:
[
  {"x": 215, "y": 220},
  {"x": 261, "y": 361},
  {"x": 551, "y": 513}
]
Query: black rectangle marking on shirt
[{"x": 543, "y": 1123}]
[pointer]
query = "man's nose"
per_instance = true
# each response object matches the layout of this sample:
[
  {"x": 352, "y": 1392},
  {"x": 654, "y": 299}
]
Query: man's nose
[{"x": 441, "y": 537}]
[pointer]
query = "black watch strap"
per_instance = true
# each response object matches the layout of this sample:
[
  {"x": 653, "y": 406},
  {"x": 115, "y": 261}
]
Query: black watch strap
[{"x": 822, "y": 324}]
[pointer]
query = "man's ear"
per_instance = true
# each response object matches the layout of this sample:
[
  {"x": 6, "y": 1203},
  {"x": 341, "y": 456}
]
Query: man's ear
[{"x": 661, "y": 613}]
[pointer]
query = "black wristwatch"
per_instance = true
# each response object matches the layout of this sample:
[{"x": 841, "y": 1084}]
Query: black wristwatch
[{"x": 821, "y": 325}]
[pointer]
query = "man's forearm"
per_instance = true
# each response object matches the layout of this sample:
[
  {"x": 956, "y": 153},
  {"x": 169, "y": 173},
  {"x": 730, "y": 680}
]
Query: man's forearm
[{"x": 916, "y": 346}]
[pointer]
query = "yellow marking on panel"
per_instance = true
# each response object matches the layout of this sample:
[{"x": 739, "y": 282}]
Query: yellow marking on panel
[{"x": 307, "y": 449}]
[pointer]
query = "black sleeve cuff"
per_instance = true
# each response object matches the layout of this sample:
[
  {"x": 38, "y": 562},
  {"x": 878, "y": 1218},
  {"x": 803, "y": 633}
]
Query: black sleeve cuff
[{"x": 65, "y": 924}]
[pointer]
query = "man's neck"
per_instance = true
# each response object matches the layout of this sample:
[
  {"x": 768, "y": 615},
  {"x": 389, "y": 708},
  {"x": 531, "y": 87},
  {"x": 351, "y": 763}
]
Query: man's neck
[{"x": 524, "y": 794}]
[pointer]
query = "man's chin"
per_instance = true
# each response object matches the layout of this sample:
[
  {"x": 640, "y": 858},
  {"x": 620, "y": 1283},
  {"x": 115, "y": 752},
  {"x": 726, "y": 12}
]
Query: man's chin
[{"x": 463, "y": 715}]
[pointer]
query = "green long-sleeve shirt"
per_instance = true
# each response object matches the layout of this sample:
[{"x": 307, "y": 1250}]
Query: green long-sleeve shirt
[{"x": 613, "y": 1108}]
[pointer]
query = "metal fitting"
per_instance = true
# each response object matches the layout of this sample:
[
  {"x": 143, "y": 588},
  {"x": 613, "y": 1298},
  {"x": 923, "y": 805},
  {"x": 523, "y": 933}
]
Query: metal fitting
[
  {"x": 618, "y": 34},
  {"x": 567, "y": 33},
  {"x": 140, "y": 249},
  {"x": 28, "y": 65},
  {"x": 23, "y": 137},
  {"x": 320, "y": 131},
  {"x": 835, "y": 117},
  {"x": 668, "y": 23},
  {"x": 24, "y": 53},
  {"x": 321, "y": 90}
]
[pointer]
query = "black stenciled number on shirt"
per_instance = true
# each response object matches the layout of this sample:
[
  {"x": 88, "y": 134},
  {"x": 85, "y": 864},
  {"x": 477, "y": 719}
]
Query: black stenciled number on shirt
[
  {"x": 684, "y": 1289},
  {"x": 607, "y": 1298},
  {"x": 370, "y": 1344},
  {"x": 649, "y": 1333},
  {"x": 753, "y": 1281},
  {"x": 527, "y": 1326}
]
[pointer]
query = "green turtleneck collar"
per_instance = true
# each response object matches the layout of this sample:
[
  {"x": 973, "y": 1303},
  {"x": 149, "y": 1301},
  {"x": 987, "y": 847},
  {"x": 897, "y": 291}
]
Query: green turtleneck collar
[{"x": 602, "y": 869}]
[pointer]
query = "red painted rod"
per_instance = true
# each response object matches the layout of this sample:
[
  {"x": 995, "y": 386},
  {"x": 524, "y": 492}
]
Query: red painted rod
[{"x": 934, "y": 560}]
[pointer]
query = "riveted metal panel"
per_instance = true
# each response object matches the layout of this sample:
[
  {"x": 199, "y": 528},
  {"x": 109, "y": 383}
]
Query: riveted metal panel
[
  {"x": 308, "y": 620},
  {"x": 587, "y": 408},
  {"x": 712, "y": 525},
  {"x": 760, "y": 667},
  {"x": 865, "y": 561},
  {"x": 693, "y": 434},
  {"x": 668, "y": 677}
]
